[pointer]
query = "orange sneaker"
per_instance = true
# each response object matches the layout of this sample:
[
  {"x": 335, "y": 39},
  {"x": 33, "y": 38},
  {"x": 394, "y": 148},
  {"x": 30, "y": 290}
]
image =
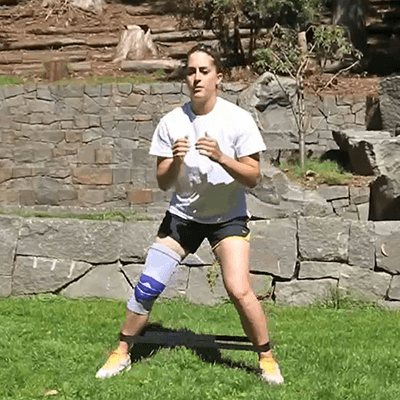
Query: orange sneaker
[
  {"x": 116, "y": 363},
  {"x": 270, "y": 371}
]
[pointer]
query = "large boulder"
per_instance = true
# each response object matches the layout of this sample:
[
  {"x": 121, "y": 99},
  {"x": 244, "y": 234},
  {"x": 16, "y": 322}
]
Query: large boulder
[
  {"x": 106, "y": 280},
  {"x": 323, "y": 239},
  {"x": 304, "y": 292},
  {"x": 389, "y": 103},
  {"x": 387, "y": 249},
  {"x": 93, "y": 242},
  {"x": 274, "y": 247},
  {"x": 370, "y": 152},
  {"x": 9, "y": 228},
  {"x": 270, "y": 100},
  {"x": 42, "y": 274},
  {"x": 364, "y": 282},
  {"x": 385, "y": 198},
  {"x": 376, "y": 153},
  {"x": 277, "y": 197}
]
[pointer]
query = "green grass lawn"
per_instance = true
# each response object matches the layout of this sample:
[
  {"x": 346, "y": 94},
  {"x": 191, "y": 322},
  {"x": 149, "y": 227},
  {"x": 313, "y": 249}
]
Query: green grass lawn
[{"x": 51, "y": 343}]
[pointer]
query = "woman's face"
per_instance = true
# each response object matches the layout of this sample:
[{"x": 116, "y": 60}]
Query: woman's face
[{"x": 202, "y": 77}]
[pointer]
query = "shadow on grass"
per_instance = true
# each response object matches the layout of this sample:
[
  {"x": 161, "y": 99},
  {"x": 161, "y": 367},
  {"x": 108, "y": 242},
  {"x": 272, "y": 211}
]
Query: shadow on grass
[{"x": 209, "y": 355}]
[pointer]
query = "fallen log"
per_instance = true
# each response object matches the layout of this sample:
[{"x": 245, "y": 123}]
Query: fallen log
[
  {"x": 11, "y": 59},
  {"x": 197, "y": 34},
  {"x": 150, "y": 65},
  {"x": 101, "y": 41},
  {"x": 21, "y": 69},
  {"x": 41, "y": 44},
  {"x": 181, "y": 36},
  {"x": 71, "y": 30},
  {"x": 80, "y": 66},
  {"x": 48, "y": 56}
]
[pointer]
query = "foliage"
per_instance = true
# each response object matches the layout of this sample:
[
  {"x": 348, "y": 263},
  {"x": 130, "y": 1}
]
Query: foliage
[
  {"x": 332, "y": 43},
  {"x": 277, "y": 51},
  {"x": 213, "y": 272},
  {"x": 290, "y": 11},
  {"x": 225, "y": 17},
  {"x": 280, "y": 52}
]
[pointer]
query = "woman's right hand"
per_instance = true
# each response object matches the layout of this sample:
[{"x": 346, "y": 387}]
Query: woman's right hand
[{"x": 180, "y": 149}]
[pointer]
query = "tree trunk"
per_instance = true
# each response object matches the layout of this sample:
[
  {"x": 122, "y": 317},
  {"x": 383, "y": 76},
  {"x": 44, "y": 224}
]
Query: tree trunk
[
  {"x": 302, "y": 41},
  {"x": 55, "y": 70},
  {"x": 302, "y": 121},
  {"x": 135, "y": 44},
  {"x": 351, "y": 14}
]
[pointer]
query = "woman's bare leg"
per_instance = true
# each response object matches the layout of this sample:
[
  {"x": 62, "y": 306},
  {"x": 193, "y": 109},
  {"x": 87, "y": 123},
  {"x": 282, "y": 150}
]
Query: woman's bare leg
[{"x": 233, "y": 255}]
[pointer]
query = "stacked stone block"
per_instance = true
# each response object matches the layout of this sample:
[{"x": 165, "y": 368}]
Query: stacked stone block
[
  {"x": 87, "y": 146},
  {"x": 293, "y": 261},
  {"x": 332, "y": 112},
  {"x": 348, "y": 202},
  {"x": 80, "y": 145}
]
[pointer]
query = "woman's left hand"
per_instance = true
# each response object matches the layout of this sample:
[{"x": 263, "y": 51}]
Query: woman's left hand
[{"x": 209, "y": 147}]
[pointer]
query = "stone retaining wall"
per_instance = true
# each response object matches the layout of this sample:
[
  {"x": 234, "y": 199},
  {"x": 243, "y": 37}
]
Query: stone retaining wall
[
  {"x": 293, "y": 261},
  {"x": 87, "y": 146}
]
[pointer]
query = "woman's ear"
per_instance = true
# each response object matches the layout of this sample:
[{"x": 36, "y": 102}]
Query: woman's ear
[{"x": 219, "y": 80}]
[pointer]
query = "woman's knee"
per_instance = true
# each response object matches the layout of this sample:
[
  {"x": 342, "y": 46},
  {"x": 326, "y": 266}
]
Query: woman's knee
[{"x": 239, "y": 292}]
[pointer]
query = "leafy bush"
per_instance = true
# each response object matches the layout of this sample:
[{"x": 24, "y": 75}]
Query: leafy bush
[
  {"x": 281, "y": 52},
  {"x": 225, "y": 17},
  {"x": 332, "y": 43}
]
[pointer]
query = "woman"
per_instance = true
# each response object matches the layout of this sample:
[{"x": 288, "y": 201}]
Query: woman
[{"x": 207, "y": 151}]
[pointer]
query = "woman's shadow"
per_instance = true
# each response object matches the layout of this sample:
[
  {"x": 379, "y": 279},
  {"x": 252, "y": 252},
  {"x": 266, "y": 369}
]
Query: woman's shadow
[{"x": 187, "y": 339}]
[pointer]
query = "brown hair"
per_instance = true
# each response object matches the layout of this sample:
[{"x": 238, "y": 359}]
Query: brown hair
[{"x": 203, "y": 48}]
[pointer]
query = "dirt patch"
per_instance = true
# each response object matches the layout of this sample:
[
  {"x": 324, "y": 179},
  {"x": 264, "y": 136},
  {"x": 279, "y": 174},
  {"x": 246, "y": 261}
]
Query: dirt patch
[
  {"x": 32, "y": 17},
  {"x": 341, "y": 85}
]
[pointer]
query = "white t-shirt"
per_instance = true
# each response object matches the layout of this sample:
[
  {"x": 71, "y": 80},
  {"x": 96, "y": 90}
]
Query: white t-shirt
[{"x": 204, "y": 191}]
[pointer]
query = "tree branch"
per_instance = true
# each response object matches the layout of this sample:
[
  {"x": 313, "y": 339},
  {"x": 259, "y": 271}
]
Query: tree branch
[{"x": 336, "y": 75}]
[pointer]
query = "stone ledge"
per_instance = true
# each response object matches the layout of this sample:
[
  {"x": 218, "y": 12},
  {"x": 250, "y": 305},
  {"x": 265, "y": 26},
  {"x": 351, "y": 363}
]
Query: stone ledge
[{"x": 294, "y": 261}]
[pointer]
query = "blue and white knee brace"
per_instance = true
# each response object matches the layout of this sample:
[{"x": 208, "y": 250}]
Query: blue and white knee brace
[{"x": 160, "y": 264}]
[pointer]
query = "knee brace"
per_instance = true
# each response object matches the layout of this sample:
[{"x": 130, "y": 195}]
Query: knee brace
[{"x": 160, "y": 263}]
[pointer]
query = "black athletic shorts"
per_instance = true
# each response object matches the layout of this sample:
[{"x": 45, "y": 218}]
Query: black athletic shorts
[{"x": 190, "y": 234}]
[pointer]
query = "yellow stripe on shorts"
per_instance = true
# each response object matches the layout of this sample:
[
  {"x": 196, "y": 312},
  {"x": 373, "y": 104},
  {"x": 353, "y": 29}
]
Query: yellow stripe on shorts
[{"x": 246, "y": 238}]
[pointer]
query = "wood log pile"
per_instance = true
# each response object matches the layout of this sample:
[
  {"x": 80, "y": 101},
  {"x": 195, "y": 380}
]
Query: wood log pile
[{"x": 34, "y": 32}]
